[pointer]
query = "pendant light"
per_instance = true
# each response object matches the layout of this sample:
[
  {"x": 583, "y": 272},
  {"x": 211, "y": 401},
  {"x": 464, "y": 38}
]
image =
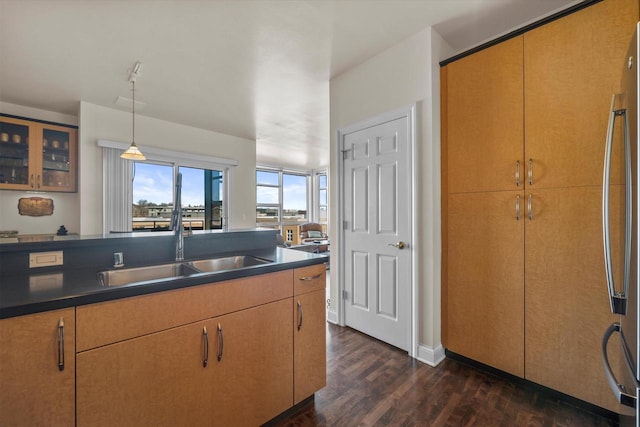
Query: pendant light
[{"x": 133, "y": 153}]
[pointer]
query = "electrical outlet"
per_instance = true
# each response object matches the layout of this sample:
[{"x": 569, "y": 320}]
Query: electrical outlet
[{"x": 45, "y": 259}]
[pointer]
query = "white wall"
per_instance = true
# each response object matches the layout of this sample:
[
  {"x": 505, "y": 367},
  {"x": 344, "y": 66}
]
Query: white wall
[
  {"x": 65, "y": 205},
  {"x": 404, "y": 74},
  {"x": 81, "y": 212},
  {"x": 98, "y": 122}
]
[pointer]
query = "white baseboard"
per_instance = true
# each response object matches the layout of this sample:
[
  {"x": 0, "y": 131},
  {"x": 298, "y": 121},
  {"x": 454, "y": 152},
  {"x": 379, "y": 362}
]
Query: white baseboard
[
  {"x": 332, "y": 317},
  {"x": 430, "y": 355}
]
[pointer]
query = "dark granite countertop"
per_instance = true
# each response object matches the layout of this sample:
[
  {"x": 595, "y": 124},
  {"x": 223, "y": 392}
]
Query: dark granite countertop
[{"x": 27, "y": 291}]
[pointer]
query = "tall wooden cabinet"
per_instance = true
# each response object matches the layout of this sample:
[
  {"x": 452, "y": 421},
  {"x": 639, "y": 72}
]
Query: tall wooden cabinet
[
  {"x": 540, "y": 277},
  {"x": 37, "y": 369}
]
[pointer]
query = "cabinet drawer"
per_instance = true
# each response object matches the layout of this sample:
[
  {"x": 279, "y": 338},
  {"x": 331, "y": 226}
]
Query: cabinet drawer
[
  {"x": 309, "y": 279},
  {"x": 112, "y": 321}
]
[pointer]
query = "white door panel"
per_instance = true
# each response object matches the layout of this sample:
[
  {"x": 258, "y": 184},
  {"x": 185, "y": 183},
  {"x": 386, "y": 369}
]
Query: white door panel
[{"x": 377, "y": 211}]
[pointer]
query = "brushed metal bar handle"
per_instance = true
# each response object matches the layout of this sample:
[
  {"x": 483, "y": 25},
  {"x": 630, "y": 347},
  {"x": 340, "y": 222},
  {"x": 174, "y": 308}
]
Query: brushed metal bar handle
[
  {"x": 530, "y": 207},
  {"x": 299, "y": 315},
  {"x": 220, "y": 343},
  {"x": 307, "y": 278},
  {"x": 517, "y": 207},
  {"x": 517, "y": 173},
  {"x": 618, "y": 389},
  {"x": 205, "y": 340},
  {"x": 61, "y": 344},
  {"x": 617, "y": 300},
  {"x": 530, "y": 171}
]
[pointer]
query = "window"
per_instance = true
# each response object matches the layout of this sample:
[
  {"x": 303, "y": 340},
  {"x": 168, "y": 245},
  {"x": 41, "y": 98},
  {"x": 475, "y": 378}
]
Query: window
[
  {"x": 322, "y": 198},
  {"x": 146, "y": 189},
  {"x": 153, "y": 197},
  {"x": 282, "y": 200}
]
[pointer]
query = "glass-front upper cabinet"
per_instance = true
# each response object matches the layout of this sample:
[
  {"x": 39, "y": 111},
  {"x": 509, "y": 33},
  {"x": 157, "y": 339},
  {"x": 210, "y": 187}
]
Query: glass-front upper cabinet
[{"x": 37, "y": 156}]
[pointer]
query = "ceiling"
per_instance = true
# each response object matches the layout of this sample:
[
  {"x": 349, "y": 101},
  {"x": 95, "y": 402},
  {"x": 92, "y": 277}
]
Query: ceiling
[{"x": 257, "y": 69}]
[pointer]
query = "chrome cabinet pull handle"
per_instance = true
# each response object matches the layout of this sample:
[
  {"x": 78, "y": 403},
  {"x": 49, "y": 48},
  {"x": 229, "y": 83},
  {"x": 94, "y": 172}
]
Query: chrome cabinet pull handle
[
  {"x": 299, "y": 315},
  {"x": 307, "y": 278},
  {"x": 530, "y": 171},
  {"x": 61, "y": 344},
  {"x": 617, "y": 300},
  {"x": 529, "y": 207},
  {"x": 618, "y": 390},
  {"x": 517, "y": 207},
  {"x": 517, "y": 173},
  {"x": 205, "y": 340},
  {"x": 220, "y": 343}
]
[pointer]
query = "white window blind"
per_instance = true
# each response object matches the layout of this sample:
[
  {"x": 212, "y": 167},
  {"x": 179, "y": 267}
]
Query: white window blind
[{"x": 117, "y": 197}]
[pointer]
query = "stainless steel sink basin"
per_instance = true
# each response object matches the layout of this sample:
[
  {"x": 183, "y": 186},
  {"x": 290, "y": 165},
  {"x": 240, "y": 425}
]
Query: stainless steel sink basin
[
  {"x": 127, "y": 276},
  {"x": 228, "y": 263}
]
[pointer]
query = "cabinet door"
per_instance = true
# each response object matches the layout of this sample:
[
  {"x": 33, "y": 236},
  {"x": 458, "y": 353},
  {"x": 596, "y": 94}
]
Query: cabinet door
[
  {"x": 37, "y": 369},
  {"x": 57, "y": 159},
  {"x": 254, "y": 370},
  {"x": 310, "y": 349},
  {"x": 157, "y": 379},
  {"x": 16, "y": 148},
  {"x": 567, "y": 308},
  {"x": 484, "y": 119},
  {"x": 572, "y": 68},
  {"x": 486, "y": 278}
]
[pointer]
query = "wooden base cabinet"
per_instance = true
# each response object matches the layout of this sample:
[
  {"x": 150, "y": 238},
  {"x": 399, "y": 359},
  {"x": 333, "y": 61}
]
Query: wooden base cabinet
[
  {"x": 567, "y": 308},
  {"x": 486, "y": 278},
  {"x": 37, "y": 369},
  {"x": 158, "y": 379},
  {"x": 252, "y": 365},
  {"x": 219, "y": 354},
  {"x": 309, "y": 331}
]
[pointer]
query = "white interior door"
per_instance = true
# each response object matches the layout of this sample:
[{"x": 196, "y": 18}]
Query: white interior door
[{"x": 377, "y": 231}]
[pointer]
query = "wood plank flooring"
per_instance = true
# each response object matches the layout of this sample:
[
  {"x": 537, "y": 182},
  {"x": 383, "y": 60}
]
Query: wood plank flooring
[{"x": 370, "y": 383}]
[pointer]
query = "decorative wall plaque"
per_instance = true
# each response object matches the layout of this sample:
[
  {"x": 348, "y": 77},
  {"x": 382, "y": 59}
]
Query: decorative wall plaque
[{"x": 35, "y": 206}]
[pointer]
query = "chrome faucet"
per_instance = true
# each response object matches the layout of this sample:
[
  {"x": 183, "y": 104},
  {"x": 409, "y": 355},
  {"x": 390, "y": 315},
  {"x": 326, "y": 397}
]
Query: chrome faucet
[{"x": 176, "y": 220}]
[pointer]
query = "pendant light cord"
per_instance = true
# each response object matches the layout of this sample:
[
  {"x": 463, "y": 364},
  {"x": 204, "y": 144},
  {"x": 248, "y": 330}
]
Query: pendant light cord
[{"x": 133, "y": 110}]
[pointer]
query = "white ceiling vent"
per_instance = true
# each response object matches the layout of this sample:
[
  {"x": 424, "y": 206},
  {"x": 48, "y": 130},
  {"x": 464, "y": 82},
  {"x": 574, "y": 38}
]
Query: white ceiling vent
[{"x": 123, "y": 102}]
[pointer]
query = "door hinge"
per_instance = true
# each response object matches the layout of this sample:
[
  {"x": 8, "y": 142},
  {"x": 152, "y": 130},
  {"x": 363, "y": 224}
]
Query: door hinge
[
  {"x": 345, "y": 225},
  {"x": 345, "y": 294}
]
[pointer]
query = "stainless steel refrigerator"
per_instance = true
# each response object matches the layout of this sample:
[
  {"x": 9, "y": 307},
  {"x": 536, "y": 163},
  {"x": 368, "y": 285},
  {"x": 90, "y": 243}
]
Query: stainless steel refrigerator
[{"x": 621, "y": 235}]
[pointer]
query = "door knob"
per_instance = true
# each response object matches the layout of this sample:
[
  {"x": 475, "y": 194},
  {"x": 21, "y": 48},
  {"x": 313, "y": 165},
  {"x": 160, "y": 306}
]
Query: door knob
[{"x": 399, "y": 245}]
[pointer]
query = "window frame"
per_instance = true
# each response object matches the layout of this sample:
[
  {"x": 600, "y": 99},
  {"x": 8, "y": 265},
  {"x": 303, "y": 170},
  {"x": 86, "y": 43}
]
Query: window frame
[
  {"x": 168, "y": 157},
  {"x": 281, "y": 223}
]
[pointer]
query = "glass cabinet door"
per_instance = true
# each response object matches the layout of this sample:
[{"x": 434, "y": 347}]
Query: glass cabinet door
[
  {"x": 56, "y": 160},
  {"x": 14, "y": 154}
]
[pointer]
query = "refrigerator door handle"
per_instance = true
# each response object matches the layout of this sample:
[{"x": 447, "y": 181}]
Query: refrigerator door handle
[
  {"x": 618, "y": 389},
  {"x": 617, "y": 299}
]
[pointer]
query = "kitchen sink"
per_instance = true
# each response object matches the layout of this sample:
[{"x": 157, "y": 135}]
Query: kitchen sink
[
  {"x": 127, "y": 276},
  {"x": 227, "y": 263}
]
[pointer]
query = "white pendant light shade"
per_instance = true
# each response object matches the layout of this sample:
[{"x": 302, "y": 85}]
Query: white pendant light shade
[{"x": 133, "y": 153}]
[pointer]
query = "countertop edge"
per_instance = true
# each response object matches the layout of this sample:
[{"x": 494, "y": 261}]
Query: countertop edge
[{"x": 120, "y": 292}]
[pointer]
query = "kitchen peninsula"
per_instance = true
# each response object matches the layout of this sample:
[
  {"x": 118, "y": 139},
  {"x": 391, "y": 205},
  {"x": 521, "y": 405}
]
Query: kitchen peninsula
[{"x": 205, "y": 348}]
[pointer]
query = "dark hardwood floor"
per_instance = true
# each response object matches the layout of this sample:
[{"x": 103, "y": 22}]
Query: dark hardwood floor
[{"x": 370, "y": 383}]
